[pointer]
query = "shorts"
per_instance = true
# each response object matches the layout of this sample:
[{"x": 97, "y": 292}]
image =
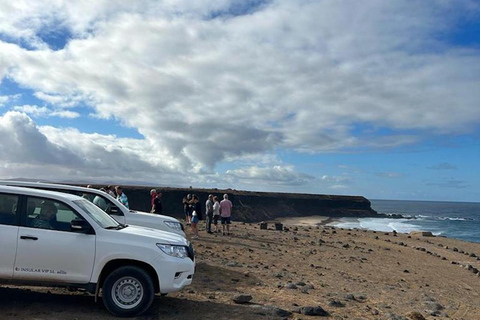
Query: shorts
[
  {"x": 215, "y": 219},
  {"x": 225, "y": 220},
  {"x": 195, "y": 219}
]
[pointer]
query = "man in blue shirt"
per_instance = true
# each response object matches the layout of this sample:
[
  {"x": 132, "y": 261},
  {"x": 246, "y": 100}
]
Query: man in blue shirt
[{"x": 122, "y": 197}]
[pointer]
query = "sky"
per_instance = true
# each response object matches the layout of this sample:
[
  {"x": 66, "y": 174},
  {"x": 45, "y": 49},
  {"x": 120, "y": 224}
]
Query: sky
[{"x": 373, "y": 98}]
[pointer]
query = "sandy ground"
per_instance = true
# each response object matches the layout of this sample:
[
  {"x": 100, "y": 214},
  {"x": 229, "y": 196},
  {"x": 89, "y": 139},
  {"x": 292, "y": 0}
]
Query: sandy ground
[{"x": 351, "y": 274}]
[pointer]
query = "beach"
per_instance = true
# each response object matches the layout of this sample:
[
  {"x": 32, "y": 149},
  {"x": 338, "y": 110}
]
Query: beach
[{"x": 349, "y": 274}]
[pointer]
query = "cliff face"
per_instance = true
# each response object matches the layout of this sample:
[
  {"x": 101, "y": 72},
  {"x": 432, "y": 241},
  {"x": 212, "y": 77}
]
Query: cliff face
[{"x": 257, "y": 206}]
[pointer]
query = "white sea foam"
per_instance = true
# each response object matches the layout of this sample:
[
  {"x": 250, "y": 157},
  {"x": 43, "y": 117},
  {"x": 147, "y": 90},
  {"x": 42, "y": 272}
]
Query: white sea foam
[{"x": 377, "y": 224}]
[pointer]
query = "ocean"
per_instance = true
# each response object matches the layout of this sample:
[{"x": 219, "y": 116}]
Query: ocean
[{"x": 460, "y": 220}]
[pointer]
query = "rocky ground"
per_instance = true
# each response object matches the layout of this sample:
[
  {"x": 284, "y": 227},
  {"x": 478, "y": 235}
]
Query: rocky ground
[{"x": 304, "y": 272}]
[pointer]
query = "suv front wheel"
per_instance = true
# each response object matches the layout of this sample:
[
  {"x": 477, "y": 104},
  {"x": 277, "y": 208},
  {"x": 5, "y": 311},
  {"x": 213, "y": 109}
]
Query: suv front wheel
[{"x": 128, "y": 291}]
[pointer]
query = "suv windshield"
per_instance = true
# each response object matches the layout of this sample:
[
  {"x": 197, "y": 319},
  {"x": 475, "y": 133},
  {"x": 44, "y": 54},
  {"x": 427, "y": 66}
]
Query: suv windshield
[{"x": 97, "y": 214}]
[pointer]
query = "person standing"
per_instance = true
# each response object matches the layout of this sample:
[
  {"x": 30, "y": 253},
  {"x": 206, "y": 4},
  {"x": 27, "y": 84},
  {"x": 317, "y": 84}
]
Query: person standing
[
  {"x": 195, "y": 216},
  {"x": 153, "y": 195},
  {"x": 197, "y": 207},
  {"x": 187, "y": 208},
  {"x": 109, "y": 190},
  {"x": 157, "y": 207},
  {"x": 225, "y": 213},
  {"x": 100, "y": 201},
  {"x": 209, "y": 213},
  {"x": 216, "y": 213},
  {"x": 122, "y": 197}
]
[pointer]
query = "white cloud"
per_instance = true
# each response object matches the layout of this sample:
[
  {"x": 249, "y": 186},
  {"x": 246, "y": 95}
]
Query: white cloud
[
  {"x": 8, "y": 98},
  {"x": 309, "y": 76},
  {"x": 3, "y": 100},
  {"x": 277, "y": 175},
  {"x": 37, "y": 111},
  {"x": 62, "y": 101}
]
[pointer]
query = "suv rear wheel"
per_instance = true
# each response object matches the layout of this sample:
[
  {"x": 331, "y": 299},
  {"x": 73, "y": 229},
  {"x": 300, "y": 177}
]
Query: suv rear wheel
[{"x": 128, "y": 291}]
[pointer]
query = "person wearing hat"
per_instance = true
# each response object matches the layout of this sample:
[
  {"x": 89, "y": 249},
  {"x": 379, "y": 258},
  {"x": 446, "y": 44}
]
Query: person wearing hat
[{"x": 209, "y": 211}]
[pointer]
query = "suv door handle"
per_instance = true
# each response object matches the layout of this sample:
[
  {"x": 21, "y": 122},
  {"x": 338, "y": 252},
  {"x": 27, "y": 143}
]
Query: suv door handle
[{"x": 28, "y": 238}]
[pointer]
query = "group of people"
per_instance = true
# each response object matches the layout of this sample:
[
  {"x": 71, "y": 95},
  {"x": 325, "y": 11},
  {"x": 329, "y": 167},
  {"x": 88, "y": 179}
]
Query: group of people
[{"x": 214, "y": 210}]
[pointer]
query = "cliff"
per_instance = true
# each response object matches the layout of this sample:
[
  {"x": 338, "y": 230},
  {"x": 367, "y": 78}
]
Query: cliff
[{"x": 257, "y": 206}]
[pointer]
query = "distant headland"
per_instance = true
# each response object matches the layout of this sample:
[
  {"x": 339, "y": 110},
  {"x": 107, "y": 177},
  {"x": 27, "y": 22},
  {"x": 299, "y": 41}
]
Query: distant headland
[{"x": 250, "y": 206}]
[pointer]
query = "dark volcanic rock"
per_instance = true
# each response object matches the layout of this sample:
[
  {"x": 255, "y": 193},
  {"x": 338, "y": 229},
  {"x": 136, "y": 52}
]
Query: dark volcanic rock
[
  {"x": 336, "y": 303},
  {"x": 242, "y": 298},
  {"x": 271, "y": 311},
  {"x": 312, "y": 311},
  {"x": 415, "y": 316}
]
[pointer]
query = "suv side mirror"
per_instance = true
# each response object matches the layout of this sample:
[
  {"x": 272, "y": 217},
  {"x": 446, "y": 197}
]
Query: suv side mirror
[{"x": 80, "y": 226}]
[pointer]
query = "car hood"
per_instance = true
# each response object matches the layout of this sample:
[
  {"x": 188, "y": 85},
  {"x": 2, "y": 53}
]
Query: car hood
[{"x": 159, "y": 236}]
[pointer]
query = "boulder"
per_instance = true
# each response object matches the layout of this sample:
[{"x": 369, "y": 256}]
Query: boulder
[{"x": 421, "y": 233}]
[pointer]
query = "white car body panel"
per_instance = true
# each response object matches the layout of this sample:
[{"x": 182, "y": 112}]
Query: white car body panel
[
  {"x": 56, "y": 256},
  {"x": 8, "y": 242}
]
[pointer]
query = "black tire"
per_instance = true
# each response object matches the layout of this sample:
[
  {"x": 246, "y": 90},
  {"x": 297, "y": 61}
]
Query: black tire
[{"x": 128, "y": 291}]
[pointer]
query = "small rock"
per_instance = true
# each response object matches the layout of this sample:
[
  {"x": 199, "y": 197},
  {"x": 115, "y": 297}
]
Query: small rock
[
  {"x": 242, "y": 298},
  {"x": 415, "y": 316},
  {"x": 392, "y": 316},
  {"x": 336, "y": 303},
  {"x": 312, "y": 311},
  {"x": 290, "y": 286},
  {"x": 271, "y": 311}
]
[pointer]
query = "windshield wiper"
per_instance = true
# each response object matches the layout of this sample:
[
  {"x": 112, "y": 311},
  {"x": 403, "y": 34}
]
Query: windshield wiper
[{"x": 119, "y": 227}]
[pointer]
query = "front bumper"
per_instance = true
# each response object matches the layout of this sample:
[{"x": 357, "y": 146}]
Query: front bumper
[{"x": 174, "y": 273}]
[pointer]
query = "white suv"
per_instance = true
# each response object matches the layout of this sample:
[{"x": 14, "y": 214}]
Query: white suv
[
  {"x": 57, "y": 239},
  {"x": 112, "y": 206}
]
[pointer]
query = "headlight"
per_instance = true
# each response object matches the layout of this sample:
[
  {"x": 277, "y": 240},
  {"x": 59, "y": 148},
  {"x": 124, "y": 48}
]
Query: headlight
[
  {"x": 174, "y": 225},
  {"x": 174, "y": 251}
]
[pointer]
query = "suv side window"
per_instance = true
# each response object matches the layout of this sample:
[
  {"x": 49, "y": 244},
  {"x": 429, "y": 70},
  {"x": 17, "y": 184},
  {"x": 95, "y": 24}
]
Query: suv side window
[
  {"x": 8, "y": 209},
  {"x": 100, "y": 201},
  {"x": 49, "y": 214}
]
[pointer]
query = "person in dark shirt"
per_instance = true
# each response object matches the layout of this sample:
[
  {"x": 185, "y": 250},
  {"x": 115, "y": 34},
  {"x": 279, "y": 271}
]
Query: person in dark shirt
[{"x": 157, "y": 207}]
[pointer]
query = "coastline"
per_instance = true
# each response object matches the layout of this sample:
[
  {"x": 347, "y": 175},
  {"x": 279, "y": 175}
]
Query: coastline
[
  {"x": 354, "y": 274},
  {"x": 309, "y": 221}
]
